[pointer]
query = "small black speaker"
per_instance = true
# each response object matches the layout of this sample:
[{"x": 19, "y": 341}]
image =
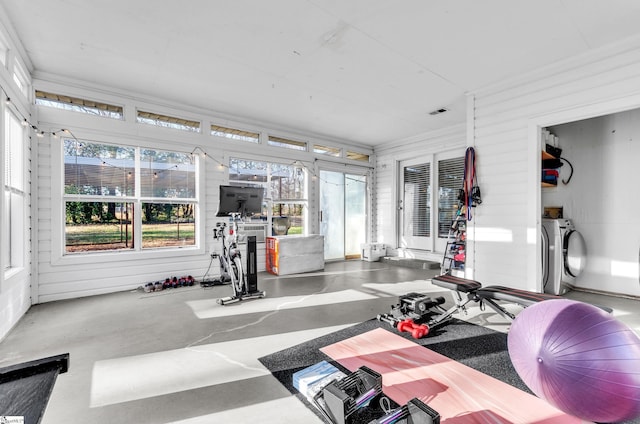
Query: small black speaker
[{"x": 252, "y": 264}]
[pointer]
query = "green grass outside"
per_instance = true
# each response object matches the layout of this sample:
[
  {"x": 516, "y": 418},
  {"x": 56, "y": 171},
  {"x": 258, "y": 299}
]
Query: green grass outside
[
  {"x": 294, "y": 230},
  {"x": 96, "y": 233},
  {"x": 111, "y": 236},
  {"x": 114, "y": 236}
]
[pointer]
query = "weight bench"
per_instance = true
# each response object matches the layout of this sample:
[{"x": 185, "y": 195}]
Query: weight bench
[{"x": 465, "y": 291}]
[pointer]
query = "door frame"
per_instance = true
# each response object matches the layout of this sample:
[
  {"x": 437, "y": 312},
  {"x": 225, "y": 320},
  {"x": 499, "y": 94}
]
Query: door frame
[
  {"x": 346, "y": 169},
  {"x": 535, "y": 144},
  {"x": 436, "y": 246},
  {"x": 400, "y": 206}
]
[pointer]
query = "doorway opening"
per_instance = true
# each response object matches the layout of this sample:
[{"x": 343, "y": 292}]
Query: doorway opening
[
  {"x": 592, "y": 197},
  {"x": 428, "y": 200}
]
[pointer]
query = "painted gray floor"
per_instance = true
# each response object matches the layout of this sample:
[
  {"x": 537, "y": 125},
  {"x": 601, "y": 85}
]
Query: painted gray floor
[{"x": 177, "y": 356}]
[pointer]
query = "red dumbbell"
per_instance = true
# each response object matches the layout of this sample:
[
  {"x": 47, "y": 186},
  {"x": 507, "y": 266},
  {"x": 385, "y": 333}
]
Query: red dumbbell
[{"x": 418, "y": 331}]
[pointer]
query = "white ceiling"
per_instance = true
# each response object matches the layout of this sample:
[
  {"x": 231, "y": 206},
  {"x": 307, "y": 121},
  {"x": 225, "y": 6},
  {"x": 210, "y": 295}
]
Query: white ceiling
[{"x": 365, "y": 71}]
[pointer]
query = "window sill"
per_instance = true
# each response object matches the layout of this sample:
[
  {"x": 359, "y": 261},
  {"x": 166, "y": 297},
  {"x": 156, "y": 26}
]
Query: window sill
[
  {"x": 9, "y": 273},
  {"x": 119, "y": 256}
]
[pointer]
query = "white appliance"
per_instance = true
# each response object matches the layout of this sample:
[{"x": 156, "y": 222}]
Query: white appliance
[{"x": 563, "y": 255}]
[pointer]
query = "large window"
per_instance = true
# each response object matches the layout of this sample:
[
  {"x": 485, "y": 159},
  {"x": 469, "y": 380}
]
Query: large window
[
  {"x": 112, "y": 192},
  {"x": 285, "y": 191},
  {"x": 13, "y": 215}
]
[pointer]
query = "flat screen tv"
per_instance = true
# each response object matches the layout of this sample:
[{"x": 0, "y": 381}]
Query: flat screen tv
[{"x": 245, "y": 200}]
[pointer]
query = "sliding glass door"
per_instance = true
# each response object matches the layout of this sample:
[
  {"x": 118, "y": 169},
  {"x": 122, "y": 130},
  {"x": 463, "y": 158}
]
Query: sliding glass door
[{"x": 343, "y": 213}]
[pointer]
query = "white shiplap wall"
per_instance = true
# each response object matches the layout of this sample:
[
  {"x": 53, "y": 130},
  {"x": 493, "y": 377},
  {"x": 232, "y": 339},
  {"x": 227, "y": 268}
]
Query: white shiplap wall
[
  {"x": 62, "y": 277},
  {"x": 504, "y": 238},
  {"x": 15, "y": 282},
  {"x": 68, "y": 276},
  {"x": 388, "y": 158},
  {"x": 600, "y": 198}
]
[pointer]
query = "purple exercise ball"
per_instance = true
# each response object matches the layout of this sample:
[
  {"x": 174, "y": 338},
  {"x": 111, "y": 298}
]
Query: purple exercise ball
[{"x": 578, "y": 358}]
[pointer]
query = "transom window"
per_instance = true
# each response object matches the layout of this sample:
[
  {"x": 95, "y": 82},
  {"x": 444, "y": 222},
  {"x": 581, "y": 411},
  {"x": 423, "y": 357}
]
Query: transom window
[
  {"x": 77, "y": 104},
  {"x": 111, "y": 191},
  {"x": 235, "y": 134},
  {"x": 327, "y": 150},
  {"x": 362, "y": 157},
  {"x": 286, "y": 143},
  {"x": 167, "y": 121}
]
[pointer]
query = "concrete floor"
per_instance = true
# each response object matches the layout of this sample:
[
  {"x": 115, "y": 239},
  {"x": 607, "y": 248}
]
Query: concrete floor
[{"x": 177, "y": 356}]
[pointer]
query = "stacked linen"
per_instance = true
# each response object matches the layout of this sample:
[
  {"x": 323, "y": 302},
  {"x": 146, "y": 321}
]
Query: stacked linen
[{"x": 550, "y": 176}]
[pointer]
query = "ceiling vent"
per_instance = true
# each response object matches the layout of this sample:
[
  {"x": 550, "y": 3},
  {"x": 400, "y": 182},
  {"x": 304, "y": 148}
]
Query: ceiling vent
[{"x": 439, "y": 111}]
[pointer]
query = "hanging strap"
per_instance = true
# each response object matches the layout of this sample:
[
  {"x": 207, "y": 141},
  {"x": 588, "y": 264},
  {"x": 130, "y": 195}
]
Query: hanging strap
[{"x": 469, "y": 179}]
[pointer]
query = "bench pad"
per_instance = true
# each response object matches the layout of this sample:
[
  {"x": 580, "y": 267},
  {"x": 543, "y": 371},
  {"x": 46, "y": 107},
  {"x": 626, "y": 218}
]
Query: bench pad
[
  {"x": 456, "y": 283},
  {"x": 507, "y": 294}
]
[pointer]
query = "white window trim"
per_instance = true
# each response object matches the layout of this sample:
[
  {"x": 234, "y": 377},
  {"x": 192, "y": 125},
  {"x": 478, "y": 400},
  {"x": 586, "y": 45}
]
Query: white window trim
[
  {"x": 4, "y": 51},
  {"x": 58, "y": 253},
  {"x": 440, "y": 243},
  {"x": 433, "y": 158},
  {"x": 21, "y": 78},
  {"x": 22, "y": 236}
]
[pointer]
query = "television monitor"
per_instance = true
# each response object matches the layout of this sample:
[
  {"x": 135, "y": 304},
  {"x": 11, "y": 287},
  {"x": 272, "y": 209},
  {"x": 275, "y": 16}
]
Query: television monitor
[{"x": 245, "y": 200}]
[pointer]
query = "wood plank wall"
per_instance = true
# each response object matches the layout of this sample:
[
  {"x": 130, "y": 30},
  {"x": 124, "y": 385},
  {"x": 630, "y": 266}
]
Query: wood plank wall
[
  {"x": 386, "y": 195},
  {"x": 505, "y": 245},
  {"x": 69, "y": 276}
]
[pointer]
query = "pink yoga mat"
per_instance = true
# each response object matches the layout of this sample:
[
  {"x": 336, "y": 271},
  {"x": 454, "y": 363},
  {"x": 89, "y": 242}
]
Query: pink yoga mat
[{"x": 460, "y": 394}]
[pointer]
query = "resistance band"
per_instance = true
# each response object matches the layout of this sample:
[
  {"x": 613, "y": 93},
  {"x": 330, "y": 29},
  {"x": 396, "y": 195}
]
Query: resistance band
[{"x": 469, "y": 179}]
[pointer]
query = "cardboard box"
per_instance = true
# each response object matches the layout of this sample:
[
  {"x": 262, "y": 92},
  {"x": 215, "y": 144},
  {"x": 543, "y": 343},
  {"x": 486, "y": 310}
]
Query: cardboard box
[{"x": 554, "y": 212}]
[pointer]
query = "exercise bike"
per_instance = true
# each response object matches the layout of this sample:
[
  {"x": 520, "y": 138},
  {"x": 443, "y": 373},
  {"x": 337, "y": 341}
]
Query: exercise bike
[{"x": 231, "y": 265}]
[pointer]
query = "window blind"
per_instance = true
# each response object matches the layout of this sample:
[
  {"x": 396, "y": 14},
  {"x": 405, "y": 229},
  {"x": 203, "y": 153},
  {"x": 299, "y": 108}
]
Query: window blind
[
  {"x": 450, "y": 180},
  {"x": 417, "y": 182}
]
